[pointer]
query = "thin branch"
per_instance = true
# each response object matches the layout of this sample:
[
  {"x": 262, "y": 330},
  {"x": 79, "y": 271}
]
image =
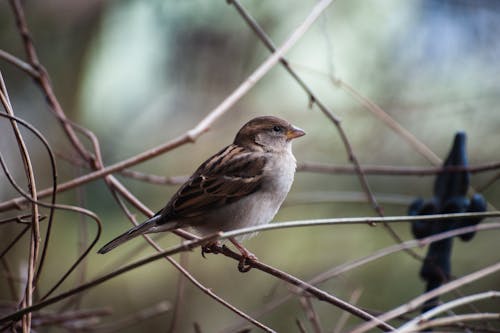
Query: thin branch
[
  {"x": 325, "y": 168},
  {"x": 179, "y": 295},
  {"x": 191, "y": 278},
  {"x": 43, "y": 78},
  {"x": 421, "y": 319},
  {"x": 201, "y": 127},
  {"x": 390, "y": 170},
  {"x": 322, "y": 277},
  {"x": 308, "y": 288},
  {"x": 259, "y": 32},
  {"x": 133, "y": 318},
  {"x": 301, "y": 326},
  {"x": 328, "y": 113},
  {"x": 354, "y": 220},
  {"x": 186, "y": 246},
  {"x": 53, "y": 169},
  {"x": 18, "y": 63},
  {"x": 9, "y": 276},
  {"x": 14, "y": 241},
  {"x": 488, "y": 183},
  {"x": 341, "y": 269},
  {"x": 312, "y": 316},
  {"x": 390, "y": 122},
  {"x": 69, "y": 319},
  {"x": 315, "y": 167},
  {"x": 197, "y": 328},
  {"x": 35, "y": 226},
  {"x": 20, "y": 219},
  {"x": 451, "y": 320},
  {"x": 154, "y": 179},
  {"x": 345, "y": 316},
  {"x": 416, "y": 302},
  {"x": 63, "y": 207}
]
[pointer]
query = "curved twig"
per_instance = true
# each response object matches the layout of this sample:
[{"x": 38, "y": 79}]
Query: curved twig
[
  {"x": 354, "y": 220},
  {"x": 35, "y": 225},
  {"x": 416, "y": 302},
  {"x": 324, "y": 276},
  {"x": 412, "y": 325},
  {"x": 54, "y": 186},
  {"x": 64, "y": 207},
  {"x": 188, "y": 275},
  {"x": 203, "y": 126},
  {"x": 186, "y": 246},
  {"x": 43, "y": 79}
]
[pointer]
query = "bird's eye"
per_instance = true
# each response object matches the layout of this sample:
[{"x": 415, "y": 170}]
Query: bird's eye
[{"x": 277, "y": 129}]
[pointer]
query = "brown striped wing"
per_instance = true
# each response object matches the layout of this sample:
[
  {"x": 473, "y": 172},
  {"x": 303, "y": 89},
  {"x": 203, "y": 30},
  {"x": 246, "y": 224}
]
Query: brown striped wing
[{"x": 226, "y": 177}]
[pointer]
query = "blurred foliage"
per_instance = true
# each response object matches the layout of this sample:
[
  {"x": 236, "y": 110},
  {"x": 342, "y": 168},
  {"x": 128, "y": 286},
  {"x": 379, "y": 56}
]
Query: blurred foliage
[{"x": 138, "y": 73}]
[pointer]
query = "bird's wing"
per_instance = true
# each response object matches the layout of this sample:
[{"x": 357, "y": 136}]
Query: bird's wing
[{"x": 226, "y": 177}]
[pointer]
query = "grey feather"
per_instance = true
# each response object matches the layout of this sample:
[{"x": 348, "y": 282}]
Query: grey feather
[{"x": 148, "y": 226}]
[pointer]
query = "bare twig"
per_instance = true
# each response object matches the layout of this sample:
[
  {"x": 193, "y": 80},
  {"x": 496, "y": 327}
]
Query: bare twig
[
  {"x": 451, "y": 320},
  {"x": 390, "y": 170},
  {"x": 345, "y": 315},
  {"x": 21, "y": 219},
  {"x": 14, "y": 241},
  {"x": 300, "y": 325},
  {"x": 202, "y": 126},
  {"x": 354, "y": 220},
  {"x": 316, "y": 167},
  {"x": 488, "y": 183},
  {"x": 192, "y": 279},
  {"x": 19, "y": 63},
  {"x": 35, "y": 226},
  {"x": 398, "y": 247},
  {"x": 308, "y": 288},
  {"x": 154, "y": 179},
  {"x": 69, "y": 319},
  {"x": 374, "y": 256},
  {"x": 311, "y": 314},
  {"x": 179, "y": 295},
  {"x": 64, "y": 207},
  {"x": 197, "y": 328},
  {"x": 313, "y": 100},
  {"x": 9, "y": 275},
  {"x": 53, "y": 169},
  {"x": 394, "y": 125},
  {"x": 43, "y": 78},
  {"x": 416, "y": 302},
  {"x": 412, "y": 325},
  {"x": 186, "y": 246},
  {"x": 133, "y": 318}
]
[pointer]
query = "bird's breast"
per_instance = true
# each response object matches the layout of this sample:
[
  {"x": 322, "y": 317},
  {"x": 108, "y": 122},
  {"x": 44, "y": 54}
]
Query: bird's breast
[{"x": 279, "y": 174}]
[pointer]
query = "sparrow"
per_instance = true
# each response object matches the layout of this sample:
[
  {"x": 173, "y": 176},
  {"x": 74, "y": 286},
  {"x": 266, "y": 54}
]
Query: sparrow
[{"x": 242, "y": 185}]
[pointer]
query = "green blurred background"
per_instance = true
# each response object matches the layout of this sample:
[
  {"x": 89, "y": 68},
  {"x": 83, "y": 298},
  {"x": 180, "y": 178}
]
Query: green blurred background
[{"x": 138, "y": 73}]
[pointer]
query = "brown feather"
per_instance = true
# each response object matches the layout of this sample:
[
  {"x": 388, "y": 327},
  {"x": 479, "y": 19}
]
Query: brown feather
[{"x": 211, "y": 186}]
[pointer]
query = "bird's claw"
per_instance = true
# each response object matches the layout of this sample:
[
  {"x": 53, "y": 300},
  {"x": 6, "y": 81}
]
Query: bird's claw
[
  {"x": 243, "y": 265},
  {"x": 246, "y": 256},
  {"x": 210, "y": 248}
]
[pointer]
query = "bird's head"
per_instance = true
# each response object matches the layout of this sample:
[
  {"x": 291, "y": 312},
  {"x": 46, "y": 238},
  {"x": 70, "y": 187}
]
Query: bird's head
[{"x": 267, "y": 133}]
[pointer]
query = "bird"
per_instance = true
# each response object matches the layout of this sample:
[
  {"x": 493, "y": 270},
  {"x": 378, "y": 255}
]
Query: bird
[{"x": 242, "y": 185}]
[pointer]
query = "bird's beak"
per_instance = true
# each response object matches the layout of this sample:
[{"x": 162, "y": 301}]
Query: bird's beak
[{"x": 294, "y": 132}]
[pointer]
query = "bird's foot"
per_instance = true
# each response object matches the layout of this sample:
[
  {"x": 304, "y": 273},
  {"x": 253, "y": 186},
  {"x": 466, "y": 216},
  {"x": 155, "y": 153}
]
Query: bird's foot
[
  {"x": 210, "y": 248},
  {"x": 246, "y": 256}
]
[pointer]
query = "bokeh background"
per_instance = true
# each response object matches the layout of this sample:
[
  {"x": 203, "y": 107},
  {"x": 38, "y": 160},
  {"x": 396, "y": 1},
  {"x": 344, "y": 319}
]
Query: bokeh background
[{"x": 138, "y": 73}]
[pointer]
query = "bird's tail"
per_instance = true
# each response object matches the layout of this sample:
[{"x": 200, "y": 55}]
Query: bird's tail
[{"x": 148, "y": 226}]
